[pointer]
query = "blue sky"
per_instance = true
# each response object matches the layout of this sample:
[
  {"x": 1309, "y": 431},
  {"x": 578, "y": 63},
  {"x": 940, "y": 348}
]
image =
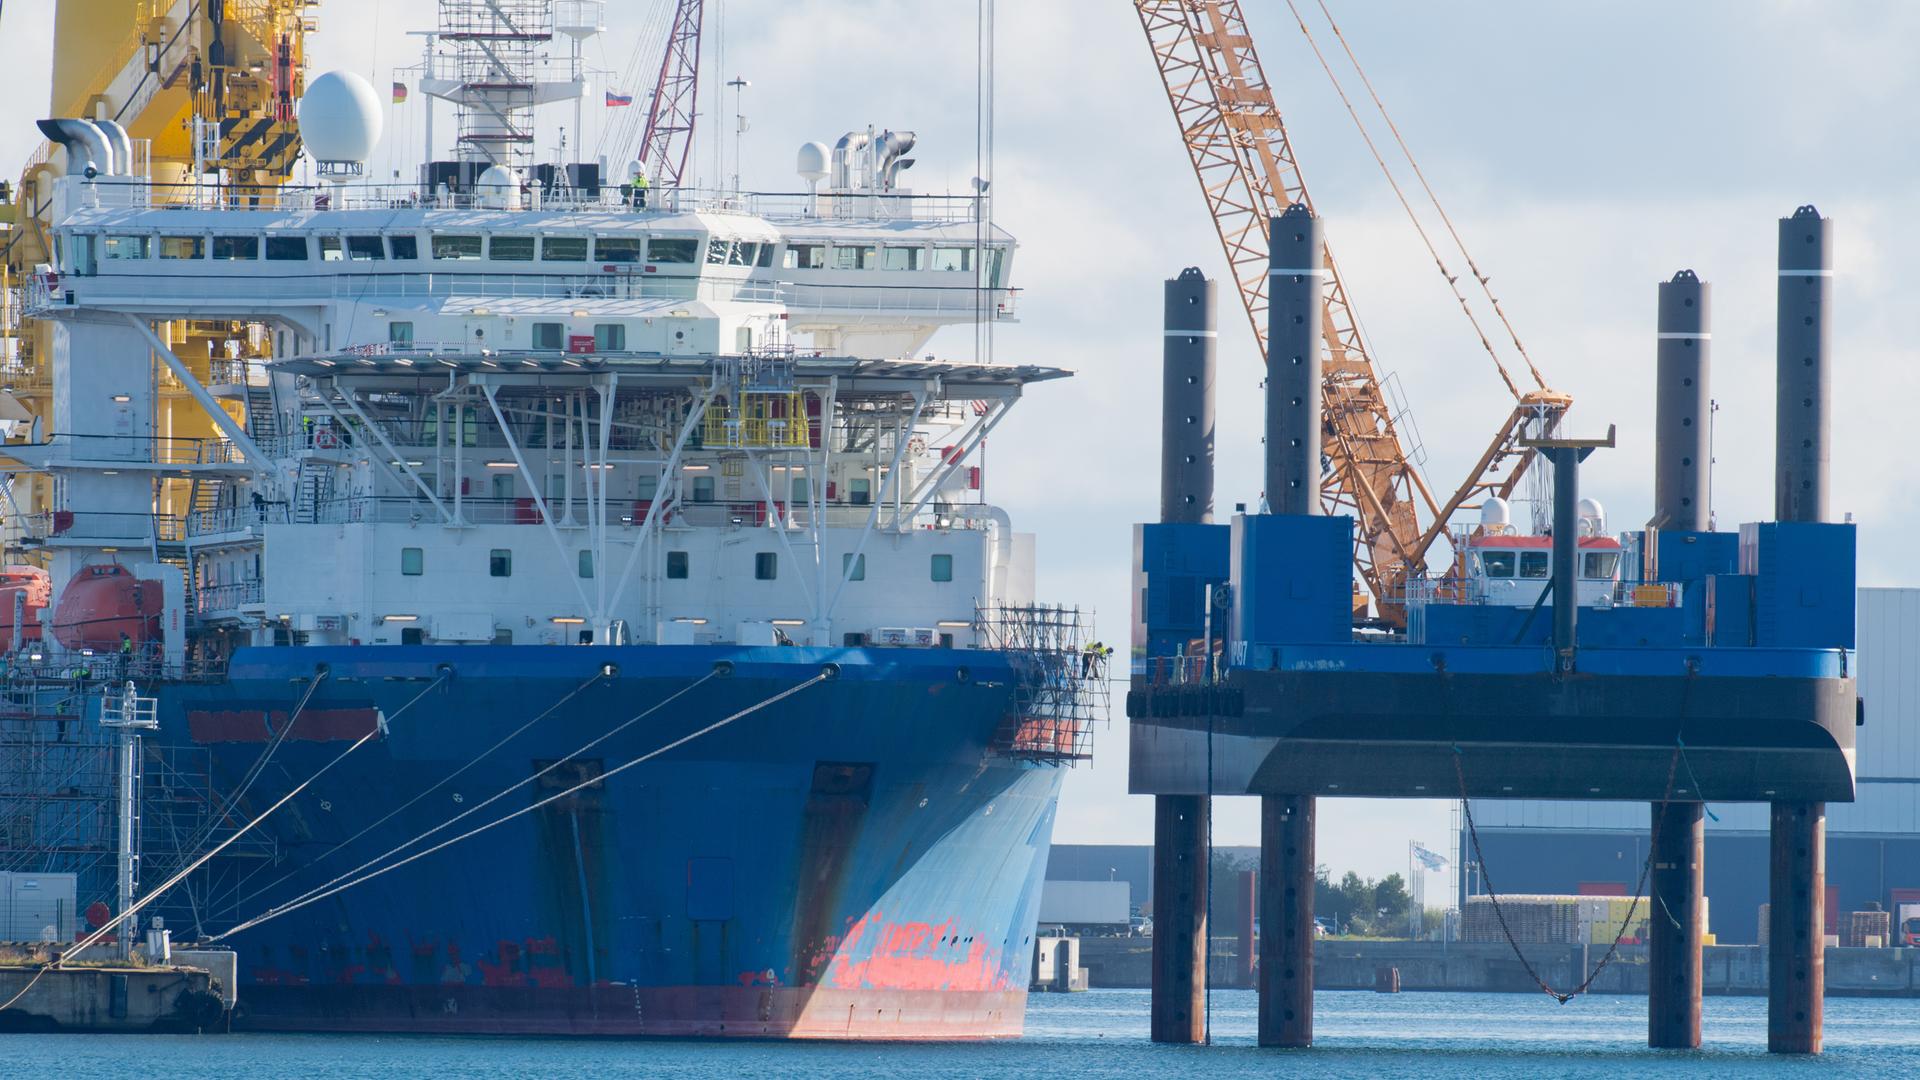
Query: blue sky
[{"x": 1585, "y": 151}]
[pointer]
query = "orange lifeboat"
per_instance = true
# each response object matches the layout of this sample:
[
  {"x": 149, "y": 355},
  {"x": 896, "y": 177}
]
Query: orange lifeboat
[
  {"x": 103, "y": 602},
  {"x": 35, "y": 588}
]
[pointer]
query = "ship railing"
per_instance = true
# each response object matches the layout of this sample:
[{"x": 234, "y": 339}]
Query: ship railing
[
  {"x": 225, "y": 371},
  {"x": 958, "y": 301},
  {"x": 231, "y": 596},
  {"x": 622, "y": 284},
  {"x": 232, "y": 519},
  {"x": 1445, "y": 590},
  {"x": 105, "y": 527},
  {"x": 1647, "y": 594},
  {"x": 408, "y": 510},
  {"x": 785, "y": 206},
  {"x": 146, "y": 449},
  {"x": 38, "y": 665}
]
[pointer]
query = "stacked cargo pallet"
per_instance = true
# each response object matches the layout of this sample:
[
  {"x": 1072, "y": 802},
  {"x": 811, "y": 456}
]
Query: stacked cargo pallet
[
  {"x": 1554, "y": 919},
  {"x": 1868, "y": 929}
]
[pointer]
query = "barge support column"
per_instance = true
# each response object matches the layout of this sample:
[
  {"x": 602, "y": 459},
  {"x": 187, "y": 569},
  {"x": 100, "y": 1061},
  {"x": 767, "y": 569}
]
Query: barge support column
[
  {"x": 1294, "y": 314},
  {"x": 1796, "y": 950},
  {"x": 1181, "y": 840},
  {"x": 1680, "y": 504},
  {"x": 1676, "y": 925},
  {"x": 1796, "y": 928},
  {"x": 1286, "y": 920}
]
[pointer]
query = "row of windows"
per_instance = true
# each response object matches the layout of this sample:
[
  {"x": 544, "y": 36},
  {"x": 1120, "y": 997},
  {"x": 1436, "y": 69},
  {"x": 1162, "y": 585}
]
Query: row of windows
[
  {"x": 766, "y": 565},
  {"x": 463, "y": 247},
  {"x": 1594, "y": 565}
]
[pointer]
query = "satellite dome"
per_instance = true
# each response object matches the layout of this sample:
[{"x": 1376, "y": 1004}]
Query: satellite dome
[
  {"x": 813, "y": 162},
  {"x": 1496, "y": 514},
  {"x": 498, "y": 188},
  {"x": 340, "y": 123}
]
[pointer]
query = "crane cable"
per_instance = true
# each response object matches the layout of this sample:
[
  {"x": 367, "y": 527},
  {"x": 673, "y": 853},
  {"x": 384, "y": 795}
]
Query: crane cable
[
  {"x": 1452, "y": 279},
  {"x": 437, "y": 785},
  {"x": 484, "y": 803},
  {"x": 1483, "y": 279},
  {"x": 828, "y": 672}
]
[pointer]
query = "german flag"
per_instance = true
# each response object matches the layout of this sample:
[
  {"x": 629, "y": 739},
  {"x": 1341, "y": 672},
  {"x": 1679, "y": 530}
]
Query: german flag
[{"x": 399, "y": 93}]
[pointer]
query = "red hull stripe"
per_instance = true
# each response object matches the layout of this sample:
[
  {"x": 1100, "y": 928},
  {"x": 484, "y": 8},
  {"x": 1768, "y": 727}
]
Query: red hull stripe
[{"x": 662, "y": 1011}]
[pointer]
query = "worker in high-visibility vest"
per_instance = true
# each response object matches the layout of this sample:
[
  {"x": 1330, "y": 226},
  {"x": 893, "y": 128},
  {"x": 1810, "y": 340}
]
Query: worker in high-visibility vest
[{"x": 640, "y": 186}]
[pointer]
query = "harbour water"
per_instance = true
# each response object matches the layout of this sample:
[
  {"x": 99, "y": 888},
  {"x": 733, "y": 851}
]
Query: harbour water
[{"x": 1096, "y": 1034}]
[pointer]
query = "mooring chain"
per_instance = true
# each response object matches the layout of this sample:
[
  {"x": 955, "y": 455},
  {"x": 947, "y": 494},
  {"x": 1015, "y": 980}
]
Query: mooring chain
[{"x": 1646, "y": 867}]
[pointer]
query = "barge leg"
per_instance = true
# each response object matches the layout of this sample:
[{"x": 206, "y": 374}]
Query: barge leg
[
  {"x": 1180, "y": 846},
  {"x": 1286, "y": 920},
  {"x": 1674, "y": 976},
  {"x": 1796, "y": 928}
]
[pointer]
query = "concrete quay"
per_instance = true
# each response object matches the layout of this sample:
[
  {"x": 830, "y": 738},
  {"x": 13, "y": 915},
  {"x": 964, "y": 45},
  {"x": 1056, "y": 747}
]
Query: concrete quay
[{"x": 1116, "y": 963}]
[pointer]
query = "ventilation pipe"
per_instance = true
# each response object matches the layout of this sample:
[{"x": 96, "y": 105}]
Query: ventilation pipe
[
  {"x": 89, "y": 153},
  {"x": 851, "y": 143},
  {"x": 120, "y": 142},
  {"x": 891, "y": 149}
]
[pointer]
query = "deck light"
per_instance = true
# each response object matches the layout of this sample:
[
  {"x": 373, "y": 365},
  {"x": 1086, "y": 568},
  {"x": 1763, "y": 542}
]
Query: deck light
[
  {"x": 568, "y": 620},
  {"x": 400, "y": 618},
  {"x": 789, "y": 622},
  {"x": 953, "y": 624},
  {"x": 500, "y": 465},
  {"x": 122, "y": 398}
]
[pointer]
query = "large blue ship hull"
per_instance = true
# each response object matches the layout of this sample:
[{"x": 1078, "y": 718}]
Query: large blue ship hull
[{"x": 855, "y": 861}]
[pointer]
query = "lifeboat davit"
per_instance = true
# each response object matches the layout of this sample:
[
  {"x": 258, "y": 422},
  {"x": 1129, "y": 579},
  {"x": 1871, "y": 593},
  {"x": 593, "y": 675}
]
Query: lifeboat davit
[
  {"x": 34, "y": 590},
  {"x": 103, "y": 602}
]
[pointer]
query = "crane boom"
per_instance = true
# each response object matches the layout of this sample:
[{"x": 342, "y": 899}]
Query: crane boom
[
  {"x": 676, "y": 94},
  {"x": 1248, "y": 173}
]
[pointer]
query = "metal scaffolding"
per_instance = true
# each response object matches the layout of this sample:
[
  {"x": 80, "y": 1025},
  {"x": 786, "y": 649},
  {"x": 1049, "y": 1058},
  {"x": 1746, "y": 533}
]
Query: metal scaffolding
[{"x": 1060, "y": 680}]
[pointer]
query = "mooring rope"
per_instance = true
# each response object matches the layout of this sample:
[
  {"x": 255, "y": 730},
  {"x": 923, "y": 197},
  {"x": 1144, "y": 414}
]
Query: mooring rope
[
  {"x": 827, "y": 673},
  {"x": 603, "y": 673}
]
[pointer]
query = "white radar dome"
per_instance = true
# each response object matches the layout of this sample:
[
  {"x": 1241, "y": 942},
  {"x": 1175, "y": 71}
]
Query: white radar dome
[
  {"x": 498, "y": 188},
  {"x": 1496, "y": 512},
  {"x": 1592, "y": 515},
  {"x": 812, "y": 165},
  {"x": 340, "y": 122}
]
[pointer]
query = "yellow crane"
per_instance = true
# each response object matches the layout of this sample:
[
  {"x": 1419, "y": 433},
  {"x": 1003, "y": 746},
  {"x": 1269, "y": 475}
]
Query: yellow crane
[
  {"x": 1234, "y": 133},
  {"x": 209, "y": 89}
]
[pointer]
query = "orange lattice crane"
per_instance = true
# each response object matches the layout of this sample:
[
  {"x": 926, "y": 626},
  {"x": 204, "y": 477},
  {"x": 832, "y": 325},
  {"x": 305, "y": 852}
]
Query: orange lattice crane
[{"x": 1233, "y": 130}]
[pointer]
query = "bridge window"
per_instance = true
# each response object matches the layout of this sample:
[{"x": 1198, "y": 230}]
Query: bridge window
[
  {"x": 766, "y": 565},
  {"x": 1599, "y": 565},
  {"x": 806, "y": 257},
  {"x": 549, "y": 335},
  {"x": 236, "y": 248},
  {"x": 743, "y": 254},
  {"x": 957, "y": 259},
  {"x": 942, "y": 568},
  {"x": 679, "y": 250},
  {"x": 586, "y": 564},
  {"x": 405, "y": 247},
  {"x": 286, "y": 248},
  {"x": 1534, "y": 564},
  {"x": 717, "y": 251},
  {"x": 765, "y": 258},
  {"x": 330, "y": 250},
  {"x": 563, "y": 248},
  {"x": 123, "y": 247},
  {"x": 182, "y": 247},
  {"x": 677, "y": 565},
  {"x": 860, "y": 491},
  {"x": 400, "y": 333},
  {"x": 1497, "y": 563},
  {"x": 857, "y": 257},
  {"x": 616, "y": 249},
  {"x": 853, "y": 569},
  {"x": 365, "y": 249},
  {"x": 500, "y": 562},
  {"x": 703, "y": 489},
  {"x": 610, "y": 337},
  {"x": 457, "y": 248},
  {"x": 511, "y": 248},
  {"x": 413, "y": 561},
  {"x": 901, "y": 258}
]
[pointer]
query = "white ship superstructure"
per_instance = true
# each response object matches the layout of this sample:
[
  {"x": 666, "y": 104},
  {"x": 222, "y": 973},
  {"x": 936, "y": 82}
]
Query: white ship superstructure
[{"x": 537, "y": 415}]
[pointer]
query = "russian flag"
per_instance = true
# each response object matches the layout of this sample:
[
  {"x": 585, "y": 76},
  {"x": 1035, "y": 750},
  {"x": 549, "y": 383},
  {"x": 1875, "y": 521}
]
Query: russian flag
[{"x": 617, "y": 100}]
